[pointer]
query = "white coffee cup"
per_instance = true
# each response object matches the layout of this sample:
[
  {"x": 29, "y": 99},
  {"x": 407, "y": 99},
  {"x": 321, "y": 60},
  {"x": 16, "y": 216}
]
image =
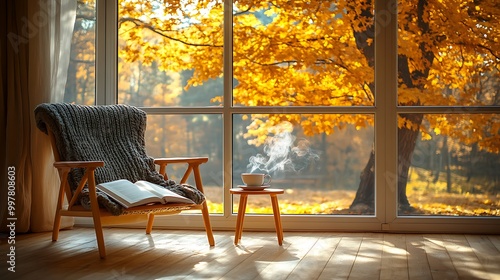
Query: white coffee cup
[{"x": 255, "y": 179}]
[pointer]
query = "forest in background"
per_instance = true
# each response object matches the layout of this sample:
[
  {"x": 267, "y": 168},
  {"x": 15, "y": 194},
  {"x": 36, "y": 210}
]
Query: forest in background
[{"x": 438, "y": 66}]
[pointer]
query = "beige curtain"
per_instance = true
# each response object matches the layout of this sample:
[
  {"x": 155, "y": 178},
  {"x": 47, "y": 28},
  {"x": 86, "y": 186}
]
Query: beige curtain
[{"x": 38, "y": 43}]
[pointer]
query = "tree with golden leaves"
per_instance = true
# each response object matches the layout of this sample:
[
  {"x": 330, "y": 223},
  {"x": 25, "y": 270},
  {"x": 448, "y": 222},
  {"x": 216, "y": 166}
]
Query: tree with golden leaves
[{"x": 321, "y": 53}]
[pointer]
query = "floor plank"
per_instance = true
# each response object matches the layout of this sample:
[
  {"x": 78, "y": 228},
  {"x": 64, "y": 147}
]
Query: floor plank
[
  {"x": 342, "y": 260},
  {"x": 486, "y": 253},
  {"x": 495, "y": 240},
  {"x": 369, "y": 258},
  {"x": 179, "y": 254},
  {"x": 394, "y": 257},
  {"x": 285, "y": 262},
  {"x": 259, "y": 259},
  {"x": 440, "y": 262},
  {"x": 418, "y": 264},
  {"x": 464, "y": 259},
  {"x": 312, "y": 264}
]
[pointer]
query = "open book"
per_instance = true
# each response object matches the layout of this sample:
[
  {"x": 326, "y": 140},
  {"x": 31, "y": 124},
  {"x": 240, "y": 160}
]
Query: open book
[{"x": 131, "y": 194}]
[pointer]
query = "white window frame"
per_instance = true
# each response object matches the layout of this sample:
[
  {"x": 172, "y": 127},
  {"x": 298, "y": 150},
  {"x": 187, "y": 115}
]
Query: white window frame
[{"x": 385, "y": 112}]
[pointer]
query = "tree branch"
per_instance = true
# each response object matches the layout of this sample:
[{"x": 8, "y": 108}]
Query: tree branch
[{"x": 161, "y": 32}]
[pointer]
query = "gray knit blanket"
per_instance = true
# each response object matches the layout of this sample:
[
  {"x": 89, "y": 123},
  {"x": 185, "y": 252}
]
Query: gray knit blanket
[{"x": 110, "y": 133}]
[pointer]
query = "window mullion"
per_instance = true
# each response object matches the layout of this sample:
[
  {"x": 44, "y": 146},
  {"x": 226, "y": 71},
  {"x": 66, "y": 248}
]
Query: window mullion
[
  {"x": 386, "y": 116},
  {"x": 111, "y": 51},
  {"x": 106, "y": 42},
  {"x": 227, "y": 109},
  {"x": 100, "y": 55}
]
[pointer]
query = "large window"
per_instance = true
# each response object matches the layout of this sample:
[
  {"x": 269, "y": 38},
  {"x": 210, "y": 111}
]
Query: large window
[
  {"x": 371, "y": 114},
  {"x": 448, "y": 83},
  {"x": 289, "y": 53},
  {"x": 320, "y": 171},
  {"x": 303, "y": 55},
  {"x": 454, "y": 165},
  {"x": 81, "y": 86},
  {"x": 170, "y": 53}
]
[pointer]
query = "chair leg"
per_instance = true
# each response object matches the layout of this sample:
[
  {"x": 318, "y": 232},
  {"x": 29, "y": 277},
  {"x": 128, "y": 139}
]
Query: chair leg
[
  {"x": 204, "y": 209},
  {"x": 96, "y": 215},
  {"x": 63, "y": 175},
  {"x": 57, "y": 225},
  {"x": 100, "y": 238},
  {"x": 208, "y": 226},
  {"x": 149, "y": 226}
]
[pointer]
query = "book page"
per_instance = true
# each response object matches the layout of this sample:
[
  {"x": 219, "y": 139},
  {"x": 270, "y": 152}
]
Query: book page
[
  {"x": 166, "y": 194},
  {"x": 127, "y": 193}
]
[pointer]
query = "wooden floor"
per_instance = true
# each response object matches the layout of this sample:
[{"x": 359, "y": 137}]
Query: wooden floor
[{"x": 166, "y": 254}]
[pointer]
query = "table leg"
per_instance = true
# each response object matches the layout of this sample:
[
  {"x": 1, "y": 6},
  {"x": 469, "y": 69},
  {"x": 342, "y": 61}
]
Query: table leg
[
  {"x": 277, "y": 218},
  {"x": 241, "y": 215}
]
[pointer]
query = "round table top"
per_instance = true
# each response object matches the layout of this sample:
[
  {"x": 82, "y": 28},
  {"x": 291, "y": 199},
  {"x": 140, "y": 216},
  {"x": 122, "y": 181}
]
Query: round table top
[{"x": 240, "y": 190}]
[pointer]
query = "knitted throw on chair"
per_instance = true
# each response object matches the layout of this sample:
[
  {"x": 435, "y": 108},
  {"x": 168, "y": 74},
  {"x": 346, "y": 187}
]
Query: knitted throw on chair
[{"x": 110, "y": 133}]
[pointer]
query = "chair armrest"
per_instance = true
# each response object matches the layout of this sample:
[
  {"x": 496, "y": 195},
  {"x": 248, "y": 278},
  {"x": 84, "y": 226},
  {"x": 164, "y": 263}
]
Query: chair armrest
[
  {"x": 78, "y": 164},
  {"x": 193, "y": 165},
  {"x": 64, "y": 168},
  {"x": 197, "y": 160}
]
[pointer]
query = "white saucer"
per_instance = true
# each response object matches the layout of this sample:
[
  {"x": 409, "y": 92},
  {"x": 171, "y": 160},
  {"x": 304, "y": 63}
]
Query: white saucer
[{"x": 253, "y": 188}]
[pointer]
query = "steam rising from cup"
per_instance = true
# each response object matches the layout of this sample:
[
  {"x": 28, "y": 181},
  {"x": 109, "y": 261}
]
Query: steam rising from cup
[{"x": 281, "y": 153}]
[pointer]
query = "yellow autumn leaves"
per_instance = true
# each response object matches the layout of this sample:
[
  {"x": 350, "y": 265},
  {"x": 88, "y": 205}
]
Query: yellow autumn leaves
[{"x": 309, "y": 53}]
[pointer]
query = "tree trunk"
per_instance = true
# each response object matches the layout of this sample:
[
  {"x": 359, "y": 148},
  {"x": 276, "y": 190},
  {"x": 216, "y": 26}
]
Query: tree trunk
[
  {"x": 447, "y": 163},
  {"x": 364, "y": 202},
  {"x": 407, "y": 140}
]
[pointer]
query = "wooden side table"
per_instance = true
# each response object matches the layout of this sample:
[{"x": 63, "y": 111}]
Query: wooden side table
[{"x": 243, "y": 205}]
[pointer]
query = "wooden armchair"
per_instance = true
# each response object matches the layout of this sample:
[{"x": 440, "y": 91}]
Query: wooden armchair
[{"x": 96, "y": 144}]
